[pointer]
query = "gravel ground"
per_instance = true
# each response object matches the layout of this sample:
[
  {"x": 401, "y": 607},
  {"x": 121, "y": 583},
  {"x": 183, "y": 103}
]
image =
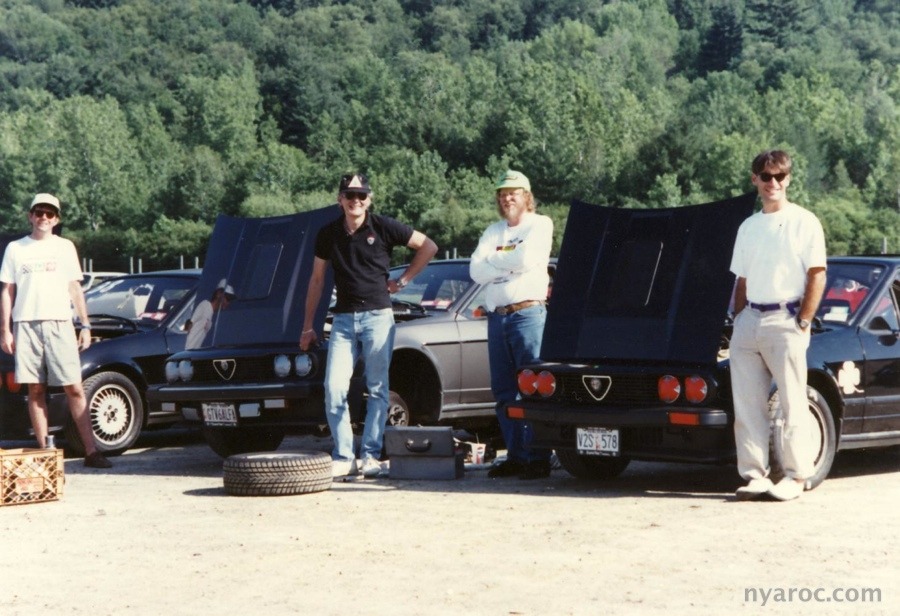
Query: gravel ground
[{"x": 158, "y": 535}]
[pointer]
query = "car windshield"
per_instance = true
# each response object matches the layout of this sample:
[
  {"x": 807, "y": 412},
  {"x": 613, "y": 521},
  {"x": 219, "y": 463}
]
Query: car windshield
[
  {"x": 139, "y": 297},
  {"x": 437, "y": 286},
  {"x": 847, "y": 287}
]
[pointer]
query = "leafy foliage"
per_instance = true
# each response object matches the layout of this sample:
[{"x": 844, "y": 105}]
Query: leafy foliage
[{"x": 151, "y": 117}]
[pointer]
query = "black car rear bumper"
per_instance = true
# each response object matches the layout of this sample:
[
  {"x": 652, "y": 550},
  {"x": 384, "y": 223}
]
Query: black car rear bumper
[{"x": 683, "y": 434}]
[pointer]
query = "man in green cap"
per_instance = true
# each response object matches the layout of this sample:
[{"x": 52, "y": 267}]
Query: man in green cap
[{"x": 512, "y": 258}]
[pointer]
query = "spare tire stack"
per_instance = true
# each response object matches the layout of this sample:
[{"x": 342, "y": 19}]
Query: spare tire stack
[{"x": 277, "y": 474}]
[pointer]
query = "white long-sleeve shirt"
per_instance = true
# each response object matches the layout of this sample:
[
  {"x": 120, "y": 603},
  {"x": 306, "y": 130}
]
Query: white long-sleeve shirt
[{"x": 513, "y": 261}]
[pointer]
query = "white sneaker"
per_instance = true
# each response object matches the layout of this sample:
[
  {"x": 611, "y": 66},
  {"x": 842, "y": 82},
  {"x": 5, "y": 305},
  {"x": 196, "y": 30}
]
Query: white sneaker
[
  {"x": 787, "y": 489},
  {"x": 342, "y": 468},
  {"x": 371, "y": 468},
  {"x": 754, "y": 489}
]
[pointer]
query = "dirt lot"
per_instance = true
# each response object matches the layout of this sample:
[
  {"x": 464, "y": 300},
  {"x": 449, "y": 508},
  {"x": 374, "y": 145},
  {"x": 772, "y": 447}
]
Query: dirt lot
[{"x": 158, "y": 535}]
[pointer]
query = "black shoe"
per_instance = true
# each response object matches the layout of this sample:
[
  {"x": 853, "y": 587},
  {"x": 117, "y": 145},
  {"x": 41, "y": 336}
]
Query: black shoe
[
  {"x": 97, "y": 460},
  {"x": 507, "y": 468},
  {"x": 536, "y": 469}
]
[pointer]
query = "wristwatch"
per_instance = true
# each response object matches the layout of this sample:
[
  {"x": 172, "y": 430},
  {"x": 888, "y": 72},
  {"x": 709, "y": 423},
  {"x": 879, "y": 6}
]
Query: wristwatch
[
  {"x": 401, "y": 283},
  {"x": 803, "y": 323}
]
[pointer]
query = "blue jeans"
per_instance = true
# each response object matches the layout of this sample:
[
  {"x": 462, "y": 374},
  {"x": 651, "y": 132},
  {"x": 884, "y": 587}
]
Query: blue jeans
[
  {"x": 514, "y": 340},
  {"x": 368, "y": 335}
]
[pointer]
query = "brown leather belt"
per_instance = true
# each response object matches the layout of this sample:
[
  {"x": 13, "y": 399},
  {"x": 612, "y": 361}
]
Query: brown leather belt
[{"x": 510, "y": 308}]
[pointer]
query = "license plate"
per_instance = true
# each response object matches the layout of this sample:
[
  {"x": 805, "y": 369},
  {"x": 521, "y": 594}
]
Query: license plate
[
  {"x": 219, "y": 414},
  {"x": 597, "y": 441}
]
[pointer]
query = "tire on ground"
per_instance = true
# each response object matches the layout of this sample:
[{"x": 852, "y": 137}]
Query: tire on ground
[
  {"x": 116, "y": 412},
  {"x": 277, "y": 474},
  {"x": 398, "y": 410},
  {"x": 823, "y": 435}
]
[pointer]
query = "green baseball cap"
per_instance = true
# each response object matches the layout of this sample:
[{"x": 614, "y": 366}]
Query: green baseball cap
[{"x": 513, "y": 179}]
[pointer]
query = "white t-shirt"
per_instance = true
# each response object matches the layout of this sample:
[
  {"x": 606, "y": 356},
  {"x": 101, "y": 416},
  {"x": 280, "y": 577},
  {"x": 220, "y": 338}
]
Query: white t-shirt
[
  {"x": 775, "y": 251},
  {"x": 513, "y": 260},
  {"x": 41, "y": 271},
  {"x": 201, "y": 321}
]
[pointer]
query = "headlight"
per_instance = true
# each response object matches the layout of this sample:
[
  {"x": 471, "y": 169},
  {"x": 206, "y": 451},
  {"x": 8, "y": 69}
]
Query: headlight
[
  {"x": 303, "y": 364},
  {"x": 171, "y": 371},
  {"x": 185, "y": 370},
  {"x": 282, "y": 366}
]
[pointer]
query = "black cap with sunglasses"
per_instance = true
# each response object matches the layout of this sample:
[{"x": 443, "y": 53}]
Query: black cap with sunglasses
[{"x": 355, "y": 183}]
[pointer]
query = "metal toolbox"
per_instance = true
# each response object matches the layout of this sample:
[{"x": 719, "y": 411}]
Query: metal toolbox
[{"x": 423, "y": 453}]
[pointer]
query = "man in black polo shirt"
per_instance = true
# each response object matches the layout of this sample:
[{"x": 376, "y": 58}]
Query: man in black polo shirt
[{"x": 358, "y": 245}]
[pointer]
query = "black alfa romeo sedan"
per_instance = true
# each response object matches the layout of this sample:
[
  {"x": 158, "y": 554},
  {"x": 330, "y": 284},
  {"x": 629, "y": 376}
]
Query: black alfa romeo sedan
[{"x": 635, "y": 352}]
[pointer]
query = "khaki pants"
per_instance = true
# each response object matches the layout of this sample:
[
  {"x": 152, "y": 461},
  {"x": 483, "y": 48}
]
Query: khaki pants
[{"x": 767, "y": 346}]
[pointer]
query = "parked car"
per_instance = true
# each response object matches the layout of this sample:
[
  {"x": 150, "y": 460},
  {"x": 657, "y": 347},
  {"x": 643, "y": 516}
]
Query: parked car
[
  {"x": 635, "y": 352},
  {"x": 251, "y": 384},
  {"x": 92, "y": 279},
  {"x": 137, "y": 322}
]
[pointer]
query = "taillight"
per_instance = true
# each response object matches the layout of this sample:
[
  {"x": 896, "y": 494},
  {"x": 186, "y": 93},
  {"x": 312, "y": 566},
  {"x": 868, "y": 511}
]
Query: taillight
[
  {"x": 668, "y": 388},
  {"x": 546, "y": 383},
  {"x": 695, "y": 389},
  {"x": 11, "y": 383},
  {"x": 527, "y": 382}
]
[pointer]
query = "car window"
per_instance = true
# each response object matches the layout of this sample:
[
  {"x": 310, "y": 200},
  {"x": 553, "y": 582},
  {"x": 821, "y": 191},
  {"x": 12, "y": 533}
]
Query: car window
[
  {"x": 846, "y": 289},
  {"x": 437, "y": 286},
  {"x": 143, "y": 297}
]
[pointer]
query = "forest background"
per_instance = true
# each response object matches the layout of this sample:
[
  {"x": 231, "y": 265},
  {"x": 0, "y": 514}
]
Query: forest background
[{"x": 148, "y": 118}]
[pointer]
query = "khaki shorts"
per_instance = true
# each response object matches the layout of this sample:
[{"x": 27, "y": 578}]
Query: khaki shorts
[{"x": 47, "y": 352}]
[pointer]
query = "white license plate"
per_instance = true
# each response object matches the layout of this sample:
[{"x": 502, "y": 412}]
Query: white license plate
[
  {"x": 219, "y": 414},
  {"x": 597, "y": 441}
]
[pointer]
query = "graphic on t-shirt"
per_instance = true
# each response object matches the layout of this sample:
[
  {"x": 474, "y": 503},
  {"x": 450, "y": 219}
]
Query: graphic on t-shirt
[{"x": 38, "y": 267}]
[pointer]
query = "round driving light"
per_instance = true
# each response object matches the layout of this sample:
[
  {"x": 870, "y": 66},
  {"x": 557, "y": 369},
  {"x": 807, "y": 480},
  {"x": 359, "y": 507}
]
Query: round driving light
[
  {"x": 668, "y": 388},
  {"x": 303, "y": 364},
  {"x": 185, "y": 370},
  {"x": 282, "y": 366},
  {"x": 546, "y": 383},
  {"x": 171, "y": 371},
  {"x": 695, "y": 389},
  {"x": 527, "y": 382}
]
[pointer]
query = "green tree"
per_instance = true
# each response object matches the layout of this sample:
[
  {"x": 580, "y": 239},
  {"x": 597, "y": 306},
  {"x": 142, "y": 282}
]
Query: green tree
[{"x": 723, "y": 42}]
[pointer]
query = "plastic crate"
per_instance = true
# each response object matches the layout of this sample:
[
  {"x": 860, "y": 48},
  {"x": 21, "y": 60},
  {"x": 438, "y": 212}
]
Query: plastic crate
[{"x": 30, "y": 475}]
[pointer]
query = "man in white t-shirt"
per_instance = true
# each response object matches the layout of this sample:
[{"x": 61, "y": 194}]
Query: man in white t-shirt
[
  {"x": 201, "y": 319},
  {"x": 779, "y": 261},
  {"x": 512, "y": 259},
  {"x": 41, "y": 279}
]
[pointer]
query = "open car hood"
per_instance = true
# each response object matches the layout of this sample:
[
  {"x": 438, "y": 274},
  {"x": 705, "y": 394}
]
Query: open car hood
[
  {"x": 648, "y": 285},
  {"x": 267, "y": 262}
]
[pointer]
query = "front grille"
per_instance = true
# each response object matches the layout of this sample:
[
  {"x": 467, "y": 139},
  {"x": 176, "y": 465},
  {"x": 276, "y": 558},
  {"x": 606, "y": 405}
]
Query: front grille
[
  {"x": 247, "y": 369},
  {"x": 624, "y": 390}
]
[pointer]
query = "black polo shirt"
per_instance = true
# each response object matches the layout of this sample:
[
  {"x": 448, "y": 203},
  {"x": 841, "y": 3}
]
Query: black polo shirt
[{"x": 361, "y": 260}]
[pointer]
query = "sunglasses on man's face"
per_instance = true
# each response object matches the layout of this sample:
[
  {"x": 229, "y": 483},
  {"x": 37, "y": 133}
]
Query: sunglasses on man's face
[
  {"x": 42, "y": 213},
  {"x": 356, "y": 195},
  {"x": 767, "y": 177}
]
